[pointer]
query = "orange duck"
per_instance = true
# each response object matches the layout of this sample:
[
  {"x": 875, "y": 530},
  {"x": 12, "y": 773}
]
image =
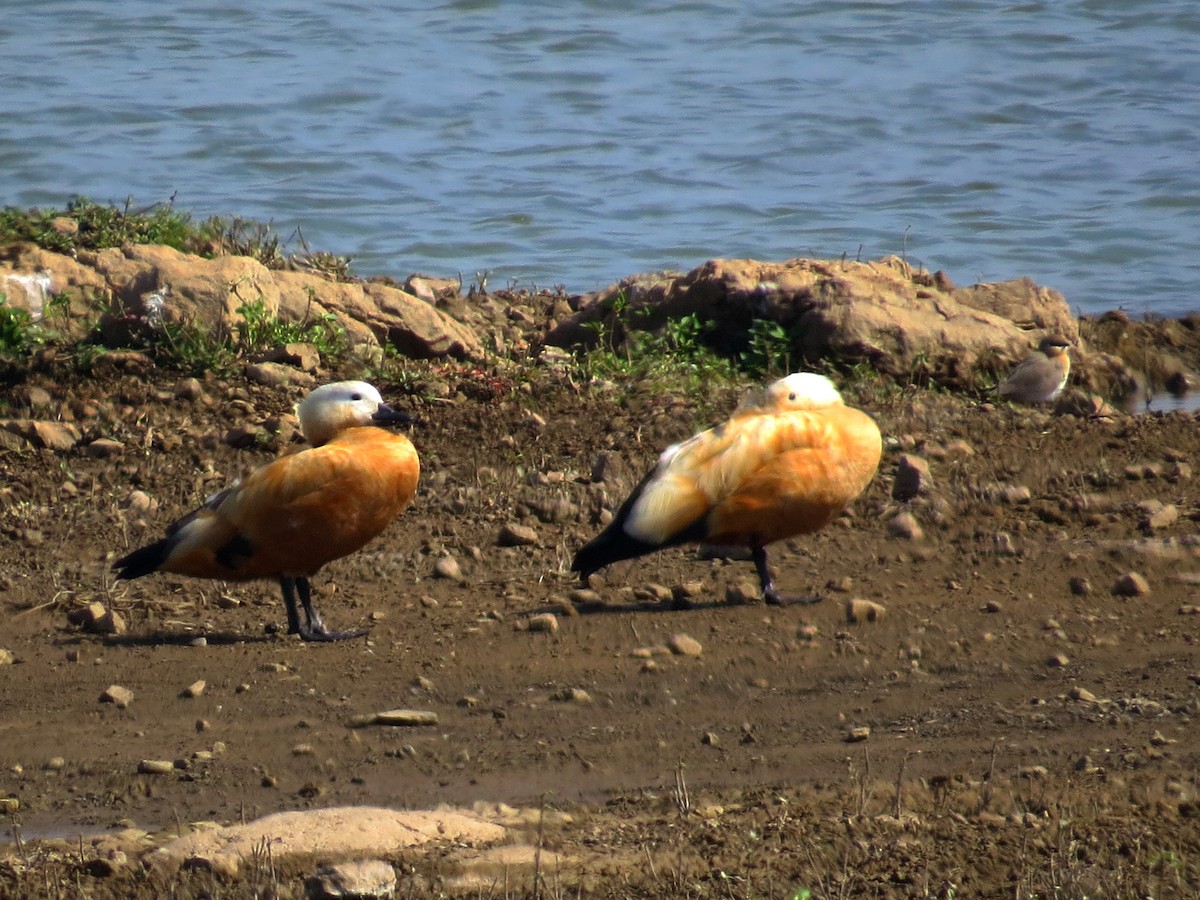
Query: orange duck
[{"x": 292, "y": 516}]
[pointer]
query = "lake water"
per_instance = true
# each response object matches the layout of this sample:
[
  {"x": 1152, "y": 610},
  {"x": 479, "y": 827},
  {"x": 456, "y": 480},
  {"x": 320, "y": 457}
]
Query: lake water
[{"x": 575, "y": 143}]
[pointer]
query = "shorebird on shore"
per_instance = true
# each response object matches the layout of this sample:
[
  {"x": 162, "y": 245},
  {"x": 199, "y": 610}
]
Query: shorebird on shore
[
  {"x": 1041, "y": 376},
  {"x": 292, "y": 516},
  {"x": 787, "y": 461}
]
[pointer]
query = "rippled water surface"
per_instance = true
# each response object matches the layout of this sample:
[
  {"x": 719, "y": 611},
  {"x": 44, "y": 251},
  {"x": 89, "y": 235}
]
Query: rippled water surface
[{"x": 575, "y": 143}]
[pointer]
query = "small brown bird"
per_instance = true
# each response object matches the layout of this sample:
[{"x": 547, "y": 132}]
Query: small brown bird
[
  {"x": 1042, "y": 375},
  {"x": 787, "y": 461},
  {"x": 292, "y": 516}
]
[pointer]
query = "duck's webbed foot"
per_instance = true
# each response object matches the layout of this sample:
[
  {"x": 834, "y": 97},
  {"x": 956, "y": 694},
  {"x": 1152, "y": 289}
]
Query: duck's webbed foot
[
  {"x": 771, "y": 596},
  {"x": 315, "y": 630}
]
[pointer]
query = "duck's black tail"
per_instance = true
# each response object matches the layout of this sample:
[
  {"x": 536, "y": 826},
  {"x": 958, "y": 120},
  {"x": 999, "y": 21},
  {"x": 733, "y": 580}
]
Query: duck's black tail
[
  {"x": 144, "y": 560},
  {"x": 609, "y": 546}
]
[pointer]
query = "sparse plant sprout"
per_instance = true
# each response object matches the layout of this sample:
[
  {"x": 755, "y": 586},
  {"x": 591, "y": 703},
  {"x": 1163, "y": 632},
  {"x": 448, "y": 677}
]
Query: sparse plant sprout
[
  {"x": 19, "y": 334},
  {"x": 769, "y": 350}
]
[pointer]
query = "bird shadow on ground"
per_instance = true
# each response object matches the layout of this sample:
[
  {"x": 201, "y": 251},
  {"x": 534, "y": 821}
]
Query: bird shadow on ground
[{"x": 163, "y": 638}]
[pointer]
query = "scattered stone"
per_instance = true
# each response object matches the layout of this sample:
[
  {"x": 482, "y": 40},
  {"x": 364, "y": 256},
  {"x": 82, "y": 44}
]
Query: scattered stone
[
  {"x": 1058, "y": 661},
  {"x": 189, "y": 389},
  {"x": 55, "y": 764},
  {"x": 278, "y": 375},
  {"x": 683, "y": 594},
  {"x": 1131, "y": 584},
  {"x": 993, "y": 606},
  {"x": 1003, "y": 544},
  {"x": 156, "y": 767},
  {"x": 194, "y": 690},
  {"x": 1014, "y": 494},
  {"x": 303, "y": 750},
  {"x": 245, "y": 435},
  {"x": 584, "y": 596},
  {"x": 857, "y": 734},
  {"x": 743, "y": 593},
  {"x": 904, "y": 525},
  {"x": 108, "y": 865},
  {"x": 104, "y": 448},
  {"x": 912, "y": 477},
  {"x": 6, "y": 657},
  {"x": 10, "y": 806},
  {"x": 139, "y": 502},
  {"x": 298, "y": 354},
  {"x": 117, "y": 695},
  {"x": 545, "y": 622},
  {"x": 572, "y": 695},
  {"x": 1083, "y": 695},
  {"x": 358, "y": 878},
  {"x": 97, "y": 619},
  {"x": 398, "y": 718},
  {"x": 514, "y": 535},
  {"x": 859, "y": 610},
  {"x": 684, "y": 645},
  {"x": 1079, "y": 586},
  {"x": 1157, "y": 515},
  {"x": 58, "y": 436},
  {"x": 447, "y": 567}
]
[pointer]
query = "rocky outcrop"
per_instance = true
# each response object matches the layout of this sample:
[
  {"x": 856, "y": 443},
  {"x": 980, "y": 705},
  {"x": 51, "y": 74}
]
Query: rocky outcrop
[
  {"x": 897, "y": 319},
  {"x": 138, "y": 287}
]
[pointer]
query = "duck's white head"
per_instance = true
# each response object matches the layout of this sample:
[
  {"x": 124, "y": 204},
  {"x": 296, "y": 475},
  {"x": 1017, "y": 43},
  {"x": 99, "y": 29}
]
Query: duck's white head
[
  {"x": 332, "y": 408},
  {"x": 802, "y": 390}
]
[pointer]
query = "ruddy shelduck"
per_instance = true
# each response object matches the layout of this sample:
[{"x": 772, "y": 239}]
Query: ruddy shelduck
[
  {"x": 787, "y": 461},
  {"x": 292, "y": 516},
  {"x": 1041, "y": 376}
]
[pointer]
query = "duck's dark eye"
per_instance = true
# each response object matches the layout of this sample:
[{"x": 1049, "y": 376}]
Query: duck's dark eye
[
  {"x": 792, "y": 395},
  {"x": 356, "y": 396}
]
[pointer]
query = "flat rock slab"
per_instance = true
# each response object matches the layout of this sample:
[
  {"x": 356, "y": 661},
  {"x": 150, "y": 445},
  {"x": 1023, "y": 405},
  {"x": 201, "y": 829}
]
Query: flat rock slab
[{"x": 337, "y": 832}]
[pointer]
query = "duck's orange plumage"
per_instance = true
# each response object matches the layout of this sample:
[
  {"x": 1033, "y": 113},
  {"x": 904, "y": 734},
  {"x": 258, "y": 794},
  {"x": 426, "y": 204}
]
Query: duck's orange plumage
[
  {"x": 785, "y": 463},
  {"x": 292, "y": 516}
]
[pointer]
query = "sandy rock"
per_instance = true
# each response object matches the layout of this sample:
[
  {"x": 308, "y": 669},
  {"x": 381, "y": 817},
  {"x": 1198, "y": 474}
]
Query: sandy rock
[
  {"x": 743, "y": 593},
  {"x": 139, "y": 502},
  {"x": 885, "y": 310},
  {"x": 1157, "y": 515},
  {"x": 332, "y": 832},
  {"x": 1131, "y": 584},
  {"x": 194, "y": 690},
  {"x": 104, "y": 448},
  {"x": 684, "y": 645},
  {"x": 406, "y": 717},
  {"x": 117, "y": 695},
  {"x": 357, "y": 878},
  {"x": 58, "y": 436},
  {"x": 859, "y": 610},
  {"x": 300, "y": 355},
  {"x": 857, "y": 734},
  {"x": 6, "y": 657},
  {"x": 189, "y": 389},
  {"x": 96, "y": 618},
  {"x": 274, "y": 374},
  {"x": 447, "y": 567},
  {"x": 544, "y": 622},
  {"x": 1004, "y": 545},
  {"x": 156, "y": 767},
  {"x": 514, "y": 535},
  {"x": 904, "y": 525}
]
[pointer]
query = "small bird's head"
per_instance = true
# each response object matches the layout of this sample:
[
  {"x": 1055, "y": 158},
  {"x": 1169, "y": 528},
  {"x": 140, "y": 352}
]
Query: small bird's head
[
  {"x": 332, "y": 408},
  {"x": 802, "y": 390},
  {"x": 1054, "y": 345}
]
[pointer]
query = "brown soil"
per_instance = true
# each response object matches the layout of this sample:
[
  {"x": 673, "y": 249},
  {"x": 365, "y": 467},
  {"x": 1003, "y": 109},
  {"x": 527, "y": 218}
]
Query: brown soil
[{"x": 1032, "y": 732}]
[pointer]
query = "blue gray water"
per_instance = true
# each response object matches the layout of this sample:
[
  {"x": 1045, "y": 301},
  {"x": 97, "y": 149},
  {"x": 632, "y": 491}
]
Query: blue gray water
[{"x": 575, "y": 143}]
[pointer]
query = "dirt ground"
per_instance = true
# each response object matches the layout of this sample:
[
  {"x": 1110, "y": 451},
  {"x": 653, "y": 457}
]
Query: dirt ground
[{"x": 1033, "y": 731}]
